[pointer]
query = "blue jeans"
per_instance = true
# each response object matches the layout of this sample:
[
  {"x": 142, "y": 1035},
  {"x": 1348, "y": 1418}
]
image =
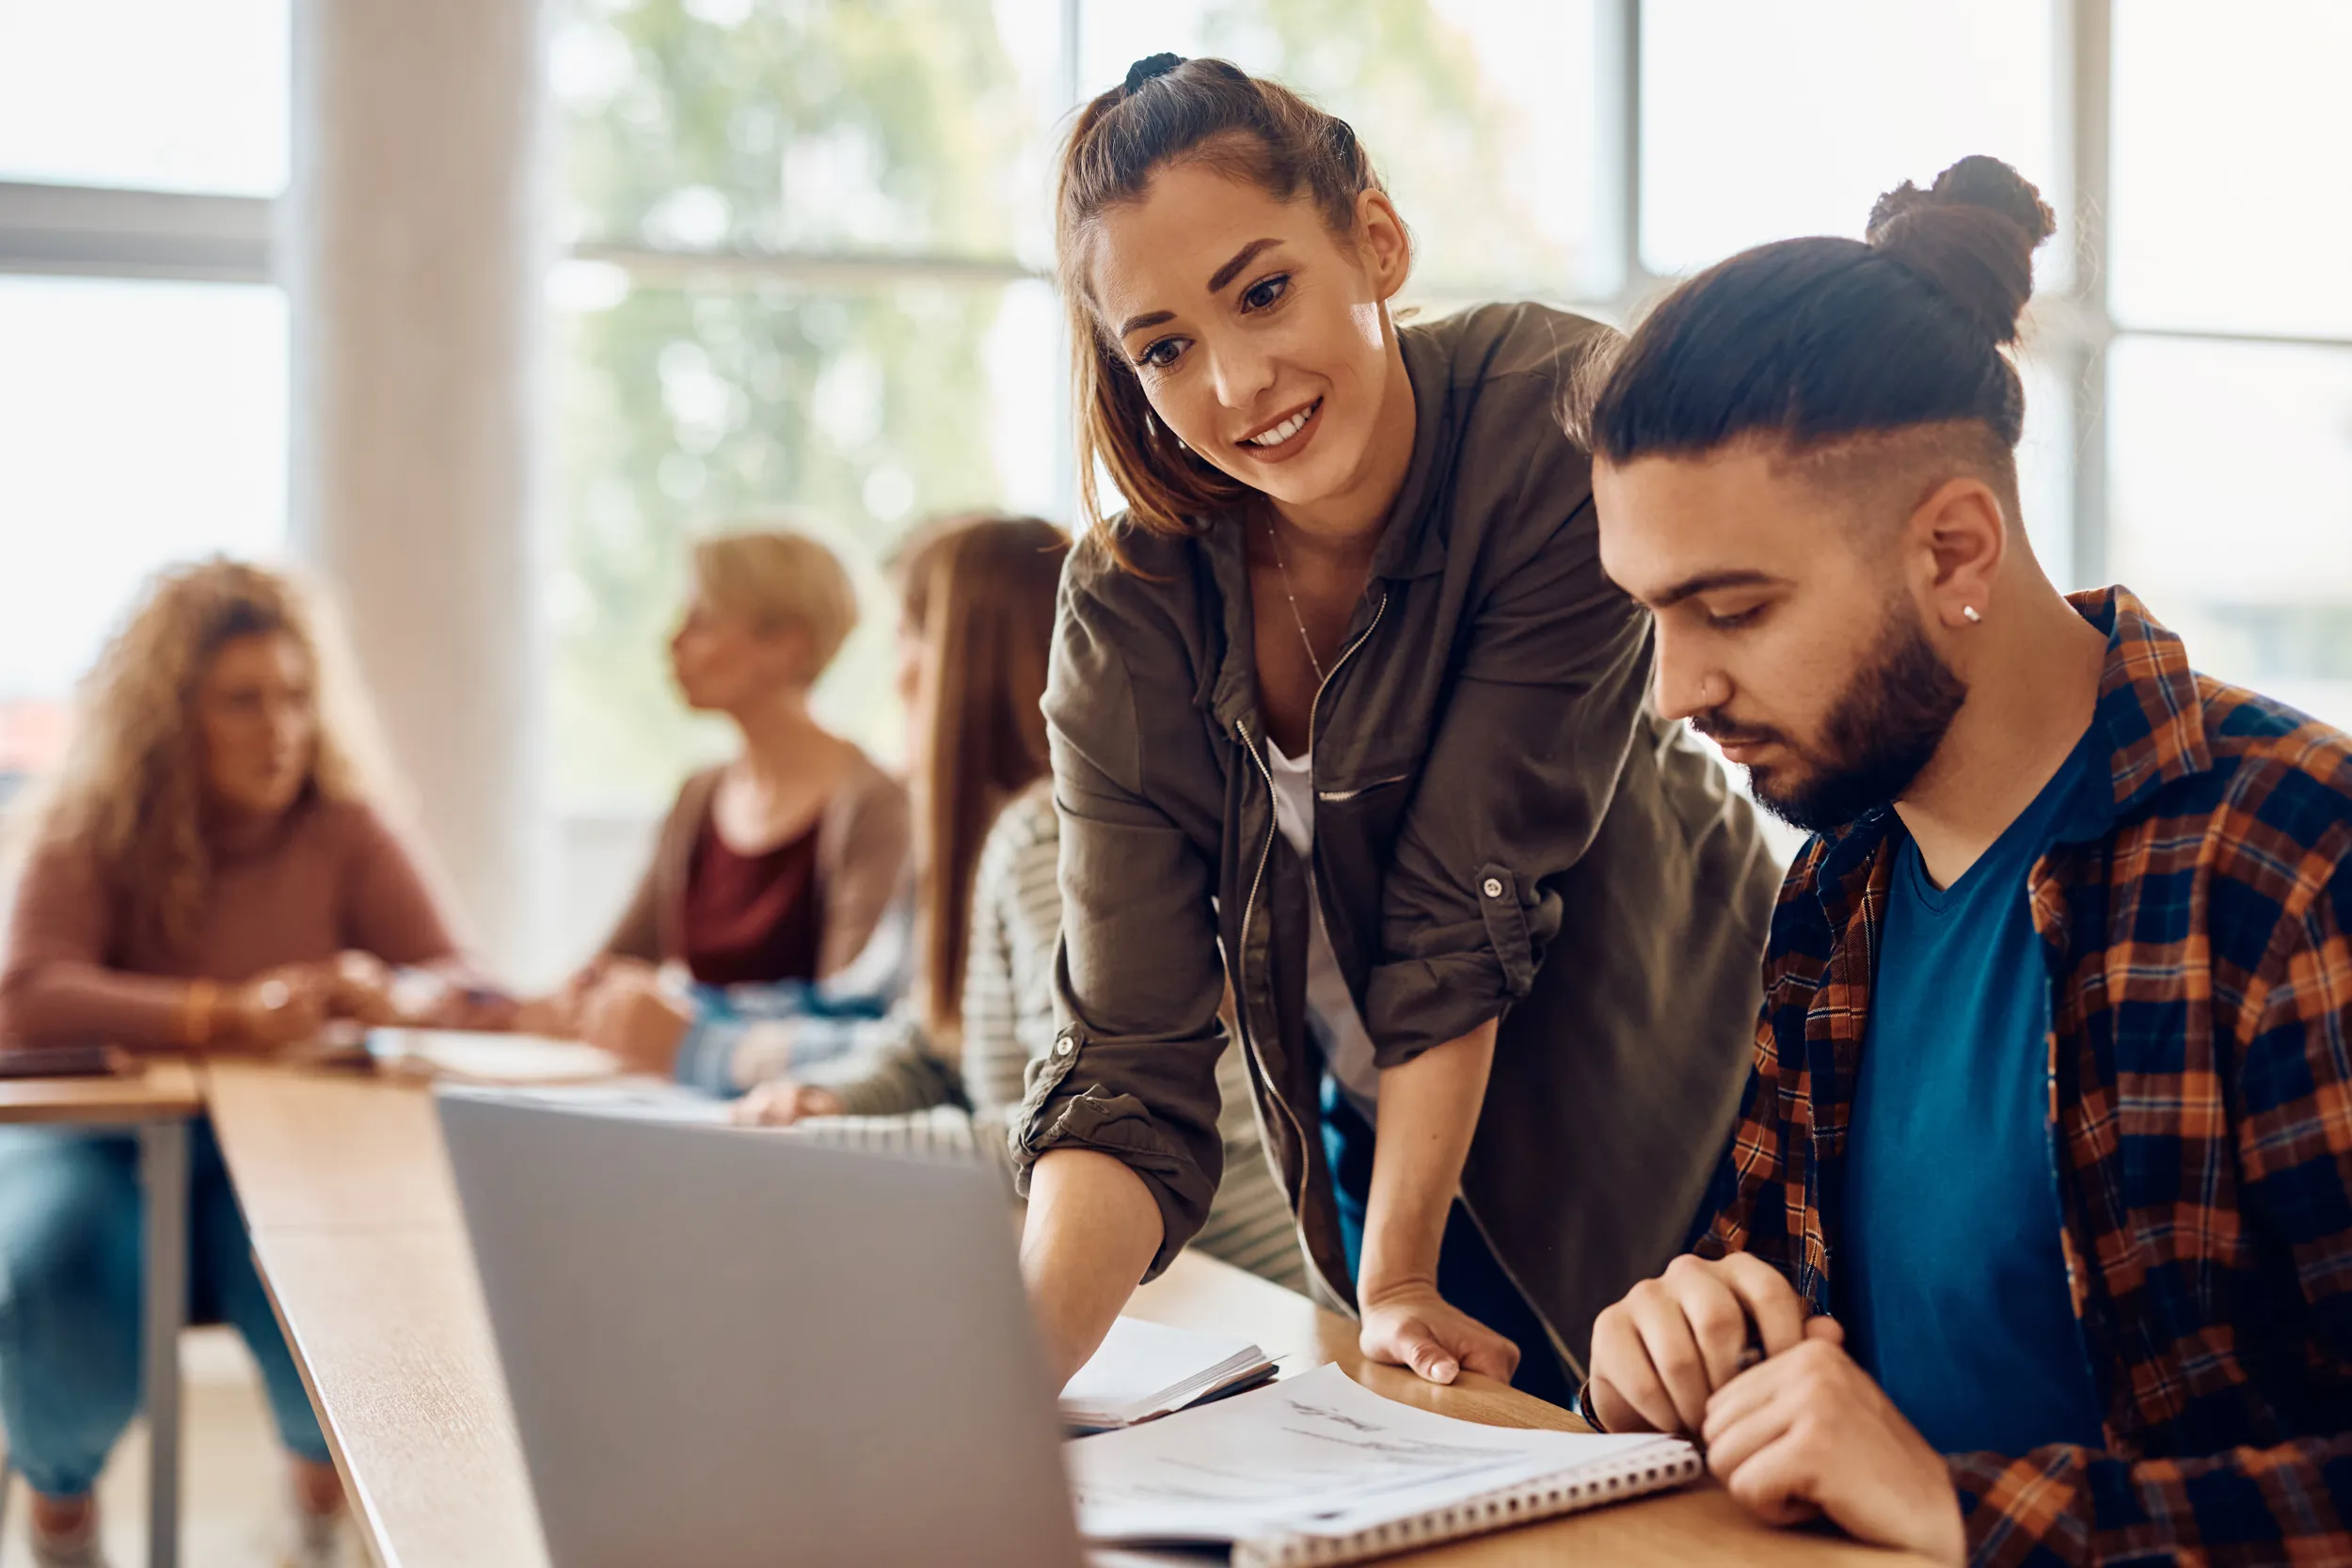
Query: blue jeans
[
  {"x": 1469, "y": 1276},
  {"x": 72, "y": 1286}
]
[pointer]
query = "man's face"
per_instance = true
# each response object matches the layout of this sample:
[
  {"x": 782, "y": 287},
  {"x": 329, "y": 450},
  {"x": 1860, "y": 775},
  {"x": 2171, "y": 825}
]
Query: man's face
[{"x": 1788, "y": 629}]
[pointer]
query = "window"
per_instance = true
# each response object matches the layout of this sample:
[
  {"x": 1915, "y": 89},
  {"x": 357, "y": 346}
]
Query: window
[
  {"x": 198, "y": 103},
  {"x": 808, "y": 238},
  {"x": 2232, "y": 508},
  {"x": 809, "y": 242},
  {"x": 142, "y": 411},
  {"x": 2229, "y": 196},
  {"x": 2228, "y": 443},
  {"x": 1484, "y": 117},
  {"x": 1763, "y": 121},
  {"x": 139, "y": 423},
  {"x": 814, "y": 235},
  {"x": 853, "y": 412}
]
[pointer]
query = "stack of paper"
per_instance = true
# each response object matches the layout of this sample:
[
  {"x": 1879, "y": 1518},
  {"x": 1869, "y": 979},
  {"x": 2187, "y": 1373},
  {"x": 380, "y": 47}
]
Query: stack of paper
[
  {"x": 1146, "y": 1370},
  {"x": 470, "y": 1056},
  {"x": 1316, "y": 1471}
]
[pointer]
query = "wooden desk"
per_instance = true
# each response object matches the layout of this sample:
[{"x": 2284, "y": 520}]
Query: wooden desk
[
  {"x": 166, "y": 1091},
  {"x": 358, "y": 1232},
  {"x": 158, "y": 1104},
  {"x": 330, "y": 1150},
  {"x": 356, "y": 1224}
]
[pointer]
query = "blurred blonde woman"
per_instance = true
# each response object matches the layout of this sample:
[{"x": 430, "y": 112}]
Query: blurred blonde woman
[
  {"x": 778, "y": 866},
  {"x": 206, "y": 871}
]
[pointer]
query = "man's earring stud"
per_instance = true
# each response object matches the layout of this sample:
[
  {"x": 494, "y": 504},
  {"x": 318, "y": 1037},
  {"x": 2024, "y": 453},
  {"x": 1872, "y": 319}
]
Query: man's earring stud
[{"x": 1968, "y": 612}]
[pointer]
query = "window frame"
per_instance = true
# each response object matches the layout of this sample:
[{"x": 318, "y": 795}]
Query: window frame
[{"x": 98, "y": 231}]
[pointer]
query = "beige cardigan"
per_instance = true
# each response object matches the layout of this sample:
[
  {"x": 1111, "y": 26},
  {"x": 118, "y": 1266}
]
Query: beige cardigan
[{"x": 861, "y": 857}]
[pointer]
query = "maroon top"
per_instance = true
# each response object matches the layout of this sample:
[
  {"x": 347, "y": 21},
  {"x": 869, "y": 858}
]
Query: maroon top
[{"x": 752, "y": 918}]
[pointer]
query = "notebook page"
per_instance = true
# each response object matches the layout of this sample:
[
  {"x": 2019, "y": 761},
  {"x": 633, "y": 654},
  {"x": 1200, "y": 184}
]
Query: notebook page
[
  {"x": 1141, "y": 1363},
  {"x": 1315, "y": 1456}
]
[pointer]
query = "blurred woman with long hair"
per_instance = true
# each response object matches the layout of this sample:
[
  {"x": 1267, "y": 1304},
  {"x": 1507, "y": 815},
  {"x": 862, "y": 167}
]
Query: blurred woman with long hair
[
  {"x": 945, "y": 1075},
  {"x": 207, "y": 870}
]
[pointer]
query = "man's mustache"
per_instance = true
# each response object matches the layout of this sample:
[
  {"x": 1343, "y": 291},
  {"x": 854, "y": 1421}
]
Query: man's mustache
[{"x": 1722, "y": 731}]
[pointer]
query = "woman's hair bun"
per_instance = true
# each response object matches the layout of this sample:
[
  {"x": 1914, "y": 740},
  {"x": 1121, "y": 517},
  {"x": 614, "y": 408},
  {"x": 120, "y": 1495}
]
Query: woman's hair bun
[{"x": 1971, "y": 234}]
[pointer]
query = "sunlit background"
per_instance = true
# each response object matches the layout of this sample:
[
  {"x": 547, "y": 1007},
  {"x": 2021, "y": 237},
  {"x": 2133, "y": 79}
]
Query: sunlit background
[{"x": 800, "y": 258}]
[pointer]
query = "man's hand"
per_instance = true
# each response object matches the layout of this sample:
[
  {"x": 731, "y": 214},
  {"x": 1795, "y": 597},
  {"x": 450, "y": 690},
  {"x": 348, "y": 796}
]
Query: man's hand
[
  {"x": 1411, "y": 1326},
  {"x": 1808, "y": 1433},
  {"x": 1674, "y": 1341}
]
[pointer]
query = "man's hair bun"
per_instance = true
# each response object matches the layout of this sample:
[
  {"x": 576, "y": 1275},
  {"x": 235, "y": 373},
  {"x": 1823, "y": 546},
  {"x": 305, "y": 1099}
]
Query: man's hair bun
[{"x": 1971, "y": 234}]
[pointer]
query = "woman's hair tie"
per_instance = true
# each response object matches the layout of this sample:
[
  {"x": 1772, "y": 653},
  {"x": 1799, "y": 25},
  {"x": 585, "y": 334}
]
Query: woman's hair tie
[{"x": 1148, "y": 67}]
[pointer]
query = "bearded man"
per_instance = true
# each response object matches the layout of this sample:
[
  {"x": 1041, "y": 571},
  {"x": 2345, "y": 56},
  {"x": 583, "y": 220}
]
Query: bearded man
[{"x": 2034, "y": 1241}]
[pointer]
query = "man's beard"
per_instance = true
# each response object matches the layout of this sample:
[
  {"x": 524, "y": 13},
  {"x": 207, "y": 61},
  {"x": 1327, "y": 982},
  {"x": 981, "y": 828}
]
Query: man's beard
[{"x": 1881, "y": 733}]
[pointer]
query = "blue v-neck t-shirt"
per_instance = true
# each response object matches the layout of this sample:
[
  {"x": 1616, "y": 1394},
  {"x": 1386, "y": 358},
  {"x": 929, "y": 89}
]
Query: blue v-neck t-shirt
[{"x": 1947, "y": 1269}]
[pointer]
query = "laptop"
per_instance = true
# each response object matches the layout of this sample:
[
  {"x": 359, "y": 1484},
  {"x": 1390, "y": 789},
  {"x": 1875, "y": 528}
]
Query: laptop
[{"x": 730, "y": 1348}]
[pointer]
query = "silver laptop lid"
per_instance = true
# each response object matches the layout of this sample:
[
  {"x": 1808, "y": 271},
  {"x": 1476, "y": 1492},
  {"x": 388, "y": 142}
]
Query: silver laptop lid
[{"x": 733, "y": 1348}]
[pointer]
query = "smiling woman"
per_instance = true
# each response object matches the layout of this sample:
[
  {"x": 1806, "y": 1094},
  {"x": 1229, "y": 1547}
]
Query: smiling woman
[{"x": 1344, "y": 709}]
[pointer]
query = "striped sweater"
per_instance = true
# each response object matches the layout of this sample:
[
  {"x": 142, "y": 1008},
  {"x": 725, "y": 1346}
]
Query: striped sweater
[{"x": 902, "y": 1097}]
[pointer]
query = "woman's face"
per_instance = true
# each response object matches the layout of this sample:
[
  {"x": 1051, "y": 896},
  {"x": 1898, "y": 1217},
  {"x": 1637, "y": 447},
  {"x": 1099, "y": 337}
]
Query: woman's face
[
  {"x": 257, "y": 719},
  {"x": 724, "y": 663},
  {"x": 1260, "y": 336}
]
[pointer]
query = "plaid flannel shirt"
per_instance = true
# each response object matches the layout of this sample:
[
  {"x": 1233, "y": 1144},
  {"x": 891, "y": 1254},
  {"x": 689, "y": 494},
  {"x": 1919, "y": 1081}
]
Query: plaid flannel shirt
[{"x": 2198, "y": 938}]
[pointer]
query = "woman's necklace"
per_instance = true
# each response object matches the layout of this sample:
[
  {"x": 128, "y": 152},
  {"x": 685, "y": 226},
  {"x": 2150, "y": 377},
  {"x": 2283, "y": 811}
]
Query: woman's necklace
[{"x": 1297, "y": 618}]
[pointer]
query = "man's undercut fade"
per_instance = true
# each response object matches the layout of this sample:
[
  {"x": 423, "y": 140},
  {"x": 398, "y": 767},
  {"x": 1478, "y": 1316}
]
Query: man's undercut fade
[{"x": 1884, "y": 476}]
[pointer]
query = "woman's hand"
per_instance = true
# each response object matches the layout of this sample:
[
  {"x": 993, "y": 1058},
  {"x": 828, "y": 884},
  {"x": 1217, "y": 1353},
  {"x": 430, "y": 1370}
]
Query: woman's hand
[
  {"x": 1411, "y": 1326},
  {"x": 291, "y": 1004},
  {"x": 477, "y": 1007},
  {"x": 780, "y": 1102},
  {"x": 359, "y": 986},
  {"x": 287, "y": 1006},
  {"x": 1428, "y": 1112},
  {"x": 555, "y": 1016},
  {"x": 562, "y": 1013},
  {"x": 629, "y": 1014}
]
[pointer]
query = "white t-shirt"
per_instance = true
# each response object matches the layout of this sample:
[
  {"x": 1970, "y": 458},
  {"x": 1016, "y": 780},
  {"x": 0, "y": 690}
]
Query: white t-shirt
[{"x": 1336, "y": 1028}]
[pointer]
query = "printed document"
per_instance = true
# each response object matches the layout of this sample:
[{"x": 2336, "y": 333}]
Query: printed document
[{"x": 1315, "y": 1456}]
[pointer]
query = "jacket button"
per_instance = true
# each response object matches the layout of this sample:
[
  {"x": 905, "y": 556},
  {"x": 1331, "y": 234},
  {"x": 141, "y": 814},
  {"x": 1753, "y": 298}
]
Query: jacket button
[
  {"x": 1492, "y": 887},
  {"x": 1063, "y": 1046}
]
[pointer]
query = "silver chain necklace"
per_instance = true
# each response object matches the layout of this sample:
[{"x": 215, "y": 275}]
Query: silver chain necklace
[{"x": 1297, "y": 620}]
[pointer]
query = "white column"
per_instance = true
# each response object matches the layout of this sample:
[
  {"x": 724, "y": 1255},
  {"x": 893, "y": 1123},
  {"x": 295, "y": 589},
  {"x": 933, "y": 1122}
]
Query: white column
[{"x": 414, "y": 252}]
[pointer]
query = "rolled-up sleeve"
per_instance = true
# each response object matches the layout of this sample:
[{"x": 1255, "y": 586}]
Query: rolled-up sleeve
[
  {"x": 1523, "y": 769},
  {"x": 1132, "y": 1072}
]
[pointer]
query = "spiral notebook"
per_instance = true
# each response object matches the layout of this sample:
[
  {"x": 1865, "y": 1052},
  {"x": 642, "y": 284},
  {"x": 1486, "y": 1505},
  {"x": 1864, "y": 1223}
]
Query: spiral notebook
[{"x": 1317, "y": 1470}]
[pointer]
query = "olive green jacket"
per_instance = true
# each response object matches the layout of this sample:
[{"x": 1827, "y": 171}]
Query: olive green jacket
[{"x": 1504, "y": 827}]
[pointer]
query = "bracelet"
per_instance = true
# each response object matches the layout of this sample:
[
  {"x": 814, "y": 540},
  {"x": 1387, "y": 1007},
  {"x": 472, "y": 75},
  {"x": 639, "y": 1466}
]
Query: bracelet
[
  {"x": 195, "y": 1012},
  {"x": 1582, "y": 1406}
]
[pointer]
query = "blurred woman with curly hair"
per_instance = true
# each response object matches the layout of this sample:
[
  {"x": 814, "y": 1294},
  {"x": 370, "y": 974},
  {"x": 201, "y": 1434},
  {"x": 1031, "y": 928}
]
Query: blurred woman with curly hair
[{"x": 206, "y": 870}]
